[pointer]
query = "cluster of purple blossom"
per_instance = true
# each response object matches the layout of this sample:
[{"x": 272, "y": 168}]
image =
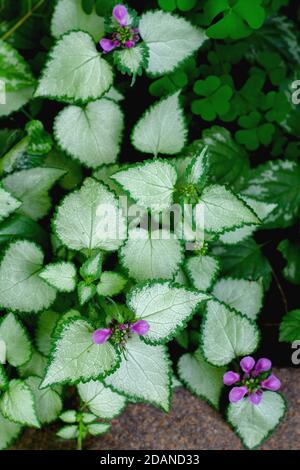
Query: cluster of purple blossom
[
  {"x": 124, "y": 35},
  {"x": 120, "y": 332}
]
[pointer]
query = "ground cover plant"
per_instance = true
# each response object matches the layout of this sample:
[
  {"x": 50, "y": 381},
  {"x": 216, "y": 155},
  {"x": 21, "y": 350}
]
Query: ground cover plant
[{"x": 149, "y": 210}]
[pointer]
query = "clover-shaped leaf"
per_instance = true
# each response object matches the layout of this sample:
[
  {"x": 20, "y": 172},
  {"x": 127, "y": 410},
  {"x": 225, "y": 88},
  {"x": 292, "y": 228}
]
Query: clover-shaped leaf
[
  {"x": 216, "y": 101},
  {"x": 254, "y": 131}
]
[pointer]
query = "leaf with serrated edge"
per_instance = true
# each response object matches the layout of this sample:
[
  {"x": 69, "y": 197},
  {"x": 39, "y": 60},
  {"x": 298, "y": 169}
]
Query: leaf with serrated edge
[
  {"x": 48, "y": 403},
  {"x": 76, "y": 357},
  {"x": 151, "y": 256},
  {"x": 61, "y": 275},
  {"x": 132, "y": 61},
  {"x": 101, "y": 400},
  {"x": 198, "y": 168},
  {"x": 170, "y": 39},
  {"x": 151, "y": 184},
  {"x": 201, "y": 378},
  {"x": 222, "y": 210},
  {"x": 8, "y": 204},
  {"x": 166, "y": 308},
  {"x": 202, "y": 271},
  {"x": 69, "y": 416},
  {"x": 17, "y": 342},
  {"x": 9, "y": 431},
  {"x": 244, "y": 296},
  {"x": 21, "y": 288},
  {"x": 96, "y": 429},
  {"x": 290, "y": 326},
  {"x": 68, "y": 15},
  {"x": 92, "y": 134},
  {"x": 254, "y": 423},
  {"x": 68, "y": 432},
  {"x": 144, "y": 375},
  {"x": 162, "y": 128},
  {"x": 92, "y": 267},
  {"x": 75, "y": 71},
  {"x": 90, "y": 218},
  {"x": 85, "y": 292},
  {"x": 17, "y": 404},
  {"x": 227, "y": 334},
  {"x": 31, "y": 188},
  {"x": 111, "y": 284}
]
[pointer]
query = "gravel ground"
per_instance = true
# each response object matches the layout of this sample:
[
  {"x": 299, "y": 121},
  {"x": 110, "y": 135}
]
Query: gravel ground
[{"x": 191, "y": 424}]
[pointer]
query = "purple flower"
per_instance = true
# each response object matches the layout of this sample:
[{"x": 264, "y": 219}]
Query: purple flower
[
  {"x": 271, "y": 383},
  {"x": 108, "y": 44},
  {"x": 140, "y": 327},
  {"x": 237, "y": 393},
  {"x": 262, "y": 365},
  {"x": 120, "y": 14},
  {"x": 129, "y": 44},
  {"x": 256, "y": 397},
  {"x": 247, "y": 364},
  {"x": 102, "y": 335},
  {"x": 231, "y": 378}
]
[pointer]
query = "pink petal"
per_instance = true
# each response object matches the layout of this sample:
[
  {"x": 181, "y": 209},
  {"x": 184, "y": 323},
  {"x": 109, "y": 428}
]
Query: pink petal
[
  {"x": 129, "y": 44},
  {"x": 102, "y": 335},
  {"x": 237, "y": 393},
  {"x": 140, "y": 327},
  {"x": 255, "y": 398},
  {"x": 231, "y": 378},
  {"x": 107, "y": 44},
  {"x": 247, "y": 364},
  {"x": 271, "y": 383},
  {"x": 120, "y": 14},
  {"x": 262, "y": 365}
]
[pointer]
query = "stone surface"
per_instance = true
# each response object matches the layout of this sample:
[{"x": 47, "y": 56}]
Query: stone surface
[{"x": 191, "y": 424}]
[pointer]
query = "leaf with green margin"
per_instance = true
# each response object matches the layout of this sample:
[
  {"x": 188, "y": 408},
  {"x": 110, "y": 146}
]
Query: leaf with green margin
[
  {"x": 48, "y": 403},
  {"x": 202, "y": 271},
  {"x": 75, "y": 357},
  {"x": 85, "y": 292},
  {"x": 90, "y": 218},
  {"x": 255, "y": 423},
  {"x": 17, "y": 404},
  {"x": 31, "y": 188},
  {"x": 91, "y": 134},
  {"x": 111, "y": 284},
  {"x": 92, "y": 268},
  {"x": 201, "y": 378},
  {"x": 132, "y": 61},
  {"x": 75, "y": 72},
  {"x": 69, "y": 15},
  {"x": 291, "y": 253},
  {"x": 162, "y": 128},
  {"x": 170, "y": 40},
  {"x": 21, "y": 288},
  {"x": 35, "y": 366},
  {"x": 101, "y": 400},
  {"x": 290, "y": 327},
  {"x": 165, "y": 306},
  {"x": 155, "y": 255},
  {"x": 9, "y": 432},
  {"x": 144, "y": 374},
  {"x": 277, "y": 182},
  {"x": 227, "y": 334},
  {"x": 16, "y": 339},
  {"x": 60, "y": 275},
  {"x": 69, "y": 416},
  {"x": 21, "y": 226},
  {"x": 97, "y": 429},
  {"x": 197, "y": 171},
  {"x": 244, "y": 296},
  {"x": 46, "y": 324},
  {"x": 8, "y": 204},
  {"x": 68, "y": 432},
  {"x": 3, "y": 378}
]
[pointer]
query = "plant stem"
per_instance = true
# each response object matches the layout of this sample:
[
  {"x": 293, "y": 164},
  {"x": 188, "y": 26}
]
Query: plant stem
[
  {"x": 80, "y": 435},
  {"x": 284, "y": 299},
  {"x": 22, "y": 20}
]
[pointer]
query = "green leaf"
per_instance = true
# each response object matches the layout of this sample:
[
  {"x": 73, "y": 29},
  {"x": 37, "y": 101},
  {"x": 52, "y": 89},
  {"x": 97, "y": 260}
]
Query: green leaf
[
  {"x": 20, "y": 226},
  {"x": 227, "y": 334},
  {"x": 101, "y": 400},
  {"x": 92, "y": 134},
  {"x": 97, "y": 429},
  {"x": 31, "y": 188},
  {"x": 111, "y": 284},
  {"x": 166, "y": 307},
  {"x": 73, "y": 176},
  {"x": 255, "y": 423},
  {"x": 21, "y": 288},
  {"x": 69, "y": 416},
  {"x": 170, "y": 40},
  {"x": 222, "y": 210},
  {"x": 151, "y": 183},
  {"x": 17, "y": 404},
  {"x": 17, "y": 342},
  {"x": 8, "y": 204},
  {"x": 17, "y": 79},
  {"x": 90, "y": 218},
  {"x": 48, "y": 403},
  {"x": 88, "y": 418},
  {"x": 39, "y": 141},
  {"x": 290, "y": 327},
  {"x": 291, "y": 253},
  {"x": 155, "y": 255},
  {"x": 198, "y": 168},
  {"x": 8, "y": 432},
  {"x": 75, "y": 357},
  {"x": 144, "y": 374},
  {"x": 202, "y": 271},
  {"x": 244, "y": 296},
  {"x": 201, "y": 378},
  {"x": 36, "y": 366},
  {"x": 277, "y": 182},
  {"x": 75, "y": 71},
  {"x": 132, "y": 61},
  {"x": 69, "y": 15},
  {"x": 61, "y": 275},
  {"x": 3, "y": 378},
  {"x": 85, "y": 292},
  {"x": 68, "y": 432},
  {"x": 47, "y": 322},
  {"x": 162, "y": 128},
  {"x": 92, "y": 268}
]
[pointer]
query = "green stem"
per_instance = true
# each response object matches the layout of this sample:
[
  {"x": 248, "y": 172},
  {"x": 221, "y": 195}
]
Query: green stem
[
  {"x": 22, "y": 20},
  {"x": 81, "y": 432}
]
